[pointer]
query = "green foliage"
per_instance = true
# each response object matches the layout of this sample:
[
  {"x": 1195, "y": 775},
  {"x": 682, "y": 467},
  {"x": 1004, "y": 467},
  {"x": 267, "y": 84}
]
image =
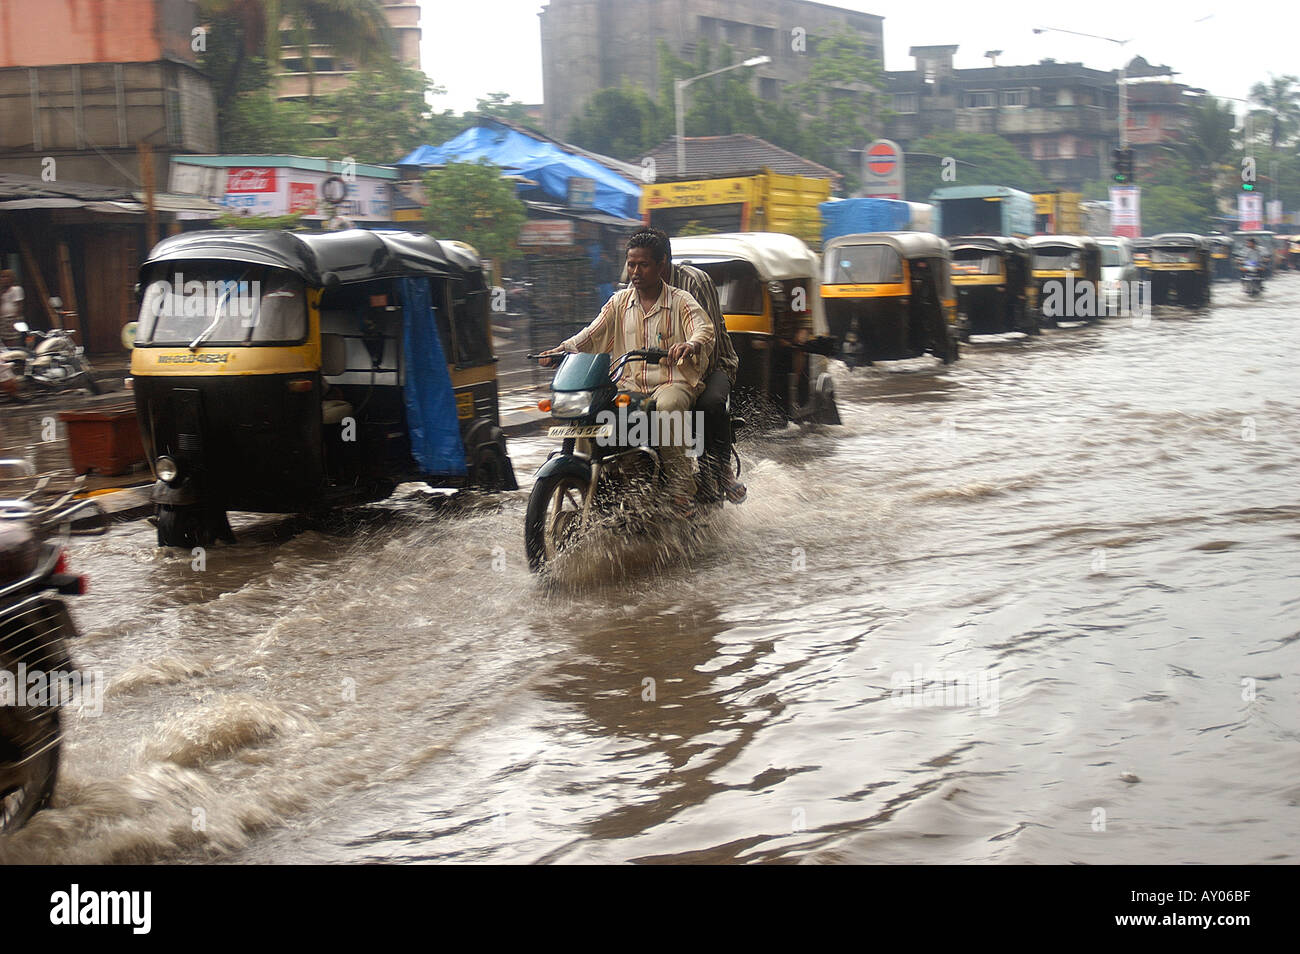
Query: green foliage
[
  {"x": 982, "y": 159},
  {"x": 231, "y": 221},
  {"x": 1279, "y": 102},
  {"x": 470, "y": 202},
  {"x": 1175, "y": 198},
  {"x": 622, "y": 122},
  {"x": 494, "y": 106},
  {"x": 255, "y": 122},
  {"x": 384, "y": 114}
]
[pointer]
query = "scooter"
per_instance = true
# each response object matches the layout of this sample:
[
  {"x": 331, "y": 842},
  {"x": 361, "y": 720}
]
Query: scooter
[
  {"x": 1252, "y": 279},
  {"x": 36, "y": 674},
  {"x": 608, "y": 469},
  {"x": 55, "y": 363}
]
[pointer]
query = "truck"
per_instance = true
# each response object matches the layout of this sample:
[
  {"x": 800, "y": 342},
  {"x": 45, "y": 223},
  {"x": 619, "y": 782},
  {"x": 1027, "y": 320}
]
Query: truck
[
  {"x": 853, "y": 216},
  {"x": 1059, "y": 213},
  {"x": 982, "y": 210},
  {"x": 767, "y": 202}
]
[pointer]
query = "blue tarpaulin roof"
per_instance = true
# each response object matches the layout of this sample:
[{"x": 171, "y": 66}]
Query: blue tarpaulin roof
[{"x": 545, "y": 163}]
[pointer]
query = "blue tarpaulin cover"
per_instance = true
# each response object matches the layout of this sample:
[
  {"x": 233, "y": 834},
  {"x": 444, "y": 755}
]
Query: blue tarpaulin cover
[
  {"x": 430, "y": 402},
  {"x": 543, "y": 162},
  {"x": 854, "y": 216}
]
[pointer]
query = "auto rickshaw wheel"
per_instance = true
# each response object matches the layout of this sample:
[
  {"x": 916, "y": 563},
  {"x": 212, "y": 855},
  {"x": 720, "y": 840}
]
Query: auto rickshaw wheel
[{"x": 192, "y": 526}]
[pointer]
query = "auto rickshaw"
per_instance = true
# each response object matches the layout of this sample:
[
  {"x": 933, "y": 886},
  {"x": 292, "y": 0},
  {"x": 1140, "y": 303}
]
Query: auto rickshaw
[
  {"x": 1264, "y": 240},
  {"x": 1225, "y": 270},
  {"x": 889, "y": 295},
  {"x": 282, "y": 372},
  {"x": 771, "y": 303},
  {"x": 991, "y": 275},
  {"x": 1067, "y": 277},
  {"x": 1293, "y": 253},
  {"x": 1141, "y": 250},
  {"x": 1179, "y": 270}
]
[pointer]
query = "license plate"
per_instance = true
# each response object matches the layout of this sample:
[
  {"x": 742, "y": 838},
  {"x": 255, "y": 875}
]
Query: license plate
[{"x": 582, "y": 430}]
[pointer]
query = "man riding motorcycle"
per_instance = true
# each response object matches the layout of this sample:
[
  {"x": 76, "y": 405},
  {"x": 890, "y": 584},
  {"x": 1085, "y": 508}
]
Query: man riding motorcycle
[{"x": 650, "y": 313}]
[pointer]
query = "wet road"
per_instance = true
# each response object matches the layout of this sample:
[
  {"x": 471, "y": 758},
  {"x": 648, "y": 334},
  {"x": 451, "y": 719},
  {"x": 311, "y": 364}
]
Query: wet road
[{"x": 1040, "y": 606}]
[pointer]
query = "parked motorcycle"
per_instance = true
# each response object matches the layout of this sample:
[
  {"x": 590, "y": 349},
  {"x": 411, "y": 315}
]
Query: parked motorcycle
[
  {"x": 51, "y": 361},
  {"x": 1252, "y": 278},
  {"x": 36, "y": 673},
  {"x": 608, "y": 469}
]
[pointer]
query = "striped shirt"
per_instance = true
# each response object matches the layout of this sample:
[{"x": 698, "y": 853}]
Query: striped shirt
[
  {"x": 623, "y": 326},
  {"x": 699, "y": 286}
]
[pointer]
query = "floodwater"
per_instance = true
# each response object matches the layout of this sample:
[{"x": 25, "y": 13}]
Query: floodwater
[{"x": 1039, "y": 606}]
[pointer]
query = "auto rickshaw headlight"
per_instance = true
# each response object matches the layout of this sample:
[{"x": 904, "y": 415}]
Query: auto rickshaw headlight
[
  {"x": 571, "y": 403},
  {"x": 166, "y": 469}
]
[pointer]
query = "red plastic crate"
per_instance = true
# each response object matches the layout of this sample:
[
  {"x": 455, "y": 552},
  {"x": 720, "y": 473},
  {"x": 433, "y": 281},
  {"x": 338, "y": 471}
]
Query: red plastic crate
[{"x": 105, "y": 440}]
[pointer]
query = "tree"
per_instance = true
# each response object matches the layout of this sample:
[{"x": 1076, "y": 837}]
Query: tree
[
  {"x": 256, "y": 122},
  {"x": 1279, "y": 102},
  {"x": 383, "y": 114},
  {"x": 622, "y": 122},
  {"x": 494, "y": 106},
  {"x": 469, "y": 201},
  {"x": 980, "y": 159},
  {"x": 1175, "y": 198},
  {"x": 841, "y": 101}
]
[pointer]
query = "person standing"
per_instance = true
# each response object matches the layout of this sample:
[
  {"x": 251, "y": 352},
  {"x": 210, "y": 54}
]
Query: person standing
[{"x": 11, "y": 308}]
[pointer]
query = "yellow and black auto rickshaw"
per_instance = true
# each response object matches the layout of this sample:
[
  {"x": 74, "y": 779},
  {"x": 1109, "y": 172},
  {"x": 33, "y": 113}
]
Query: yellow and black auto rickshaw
[
  {"x": 889, "y": 295},
  {"x": 1224, "y": 269},
  {"x": 771, "y": 303},
  {"x": 281, "y": 372},
  {"x": 1067, "y": 277},
  {"x": 1179, "y": 269},
  {"x": 991, "y": 274}
]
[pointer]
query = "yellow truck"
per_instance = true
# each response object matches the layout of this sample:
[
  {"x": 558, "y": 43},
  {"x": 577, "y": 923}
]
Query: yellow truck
[
  {"x": 1058, "y": 213},
  {"x": 768, "y": 202}
]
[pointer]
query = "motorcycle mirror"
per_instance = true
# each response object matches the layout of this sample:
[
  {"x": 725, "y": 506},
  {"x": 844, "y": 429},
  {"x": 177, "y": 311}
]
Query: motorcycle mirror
[{"x": 20, "y": 326}]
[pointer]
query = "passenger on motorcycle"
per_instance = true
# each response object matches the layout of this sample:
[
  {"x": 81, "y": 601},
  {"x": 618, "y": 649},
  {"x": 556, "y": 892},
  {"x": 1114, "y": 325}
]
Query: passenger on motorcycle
[
  {"x": 650, "y": 313},
  {"x": 718, "y": 377}
]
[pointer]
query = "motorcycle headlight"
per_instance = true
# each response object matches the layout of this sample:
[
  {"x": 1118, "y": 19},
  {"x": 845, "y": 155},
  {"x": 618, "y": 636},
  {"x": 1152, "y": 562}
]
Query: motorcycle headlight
[
  {"x": 166, "y": 469},
  {"x": 571, "y": 403}
]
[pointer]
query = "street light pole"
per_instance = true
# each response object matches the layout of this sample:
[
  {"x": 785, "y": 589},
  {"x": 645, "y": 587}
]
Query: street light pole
[{"x": 679, "y": 89}]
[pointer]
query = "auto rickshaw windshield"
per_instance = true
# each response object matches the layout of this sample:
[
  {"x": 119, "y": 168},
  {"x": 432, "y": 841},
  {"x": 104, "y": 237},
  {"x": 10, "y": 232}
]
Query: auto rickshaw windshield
[
  {"x": 975, "y": 261},
  {"x": 222, "y": 303},
  {"x": 740, "y": 290},
  {"x": 1112, "y": 256},
  {"x": 863, "y": 265},
  {"x": 1173, "y": 255},
  {"x": 1049, "y": 258}
]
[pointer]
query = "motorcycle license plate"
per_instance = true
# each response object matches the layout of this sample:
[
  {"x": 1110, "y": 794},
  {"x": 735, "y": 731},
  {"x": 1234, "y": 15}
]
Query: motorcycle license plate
[{"x": 582, "y": 430}]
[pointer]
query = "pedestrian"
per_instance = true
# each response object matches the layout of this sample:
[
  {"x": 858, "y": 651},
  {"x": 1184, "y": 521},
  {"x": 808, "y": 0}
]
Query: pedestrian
[{"x": 11, "y": 308}]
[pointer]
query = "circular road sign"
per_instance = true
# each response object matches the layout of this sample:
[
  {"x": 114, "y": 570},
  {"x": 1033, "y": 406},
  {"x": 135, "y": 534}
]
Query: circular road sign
[{"x": 882, "y": 158}]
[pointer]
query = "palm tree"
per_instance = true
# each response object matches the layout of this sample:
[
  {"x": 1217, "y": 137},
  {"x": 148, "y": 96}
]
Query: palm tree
[
  {"x": 355, "y": 29},
  {"x": 1279, "y": 102}
]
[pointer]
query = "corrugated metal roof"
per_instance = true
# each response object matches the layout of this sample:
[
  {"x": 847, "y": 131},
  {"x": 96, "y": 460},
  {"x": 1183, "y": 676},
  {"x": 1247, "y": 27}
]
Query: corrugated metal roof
[
  {"x": 735, "y": 155},
  {"x": 15, "y": 186}
]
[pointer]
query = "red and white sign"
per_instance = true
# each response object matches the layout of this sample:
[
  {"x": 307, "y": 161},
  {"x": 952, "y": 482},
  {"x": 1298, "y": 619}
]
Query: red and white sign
[
  {"x": 1126, "y": 211},
  {"x": 1250, "y": 212},
  {"x": 882, "y": 170},
  {"x": 302, "y": 197},
  {"x": 251, "y": 179}
]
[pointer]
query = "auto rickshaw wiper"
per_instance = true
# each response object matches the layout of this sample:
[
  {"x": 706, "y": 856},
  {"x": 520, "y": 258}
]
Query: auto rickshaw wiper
[{"x": 216, "y": 320}]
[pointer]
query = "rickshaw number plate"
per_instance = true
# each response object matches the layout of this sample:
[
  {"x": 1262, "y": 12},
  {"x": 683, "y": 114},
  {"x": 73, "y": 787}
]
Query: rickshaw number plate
[{"x": 582, "y": 430}]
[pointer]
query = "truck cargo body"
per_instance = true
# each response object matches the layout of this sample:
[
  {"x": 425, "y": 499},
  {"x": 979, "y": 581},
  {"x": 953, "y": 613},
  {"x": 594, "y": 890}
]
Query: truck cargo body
[
  {"x": 982, "y": 210},
  {"x": 769, "y": 202}
]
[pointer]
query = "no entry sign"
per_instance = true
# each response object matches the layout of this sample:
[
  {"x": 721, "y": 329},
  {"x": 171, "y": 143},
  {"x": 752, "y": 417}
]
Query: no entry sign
[{"x": 882, "y": 169}]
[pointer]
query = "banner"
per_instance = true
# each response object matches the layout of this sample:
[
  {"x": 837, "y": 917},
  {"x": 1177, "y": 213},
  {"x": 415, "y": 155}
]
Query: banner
[
  {"x": 1250, "y": 211},
  {"x": 1126, "y": 211}
]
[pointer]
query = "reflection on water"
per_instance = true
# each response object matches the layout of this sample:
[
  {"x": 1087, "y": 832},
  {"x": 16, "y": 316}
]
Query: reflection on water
[{"x": 1036, "y": 606}]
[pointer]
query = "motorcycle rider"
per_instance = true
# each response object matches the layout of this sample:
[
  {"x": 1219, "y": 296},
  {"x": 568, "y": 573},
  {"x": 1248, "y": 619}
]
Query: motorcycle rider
[
  {"x": 650, "y": 313},
  {"x": 11, "y": 309},
  {"x": 719, "y": 377}
]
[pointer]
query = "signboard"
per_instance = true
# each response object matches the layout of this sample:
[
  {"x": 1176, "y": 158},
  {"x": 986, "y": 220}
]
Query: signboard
[
  {"x": 1126, "y": 211},
  {"x": 1275, "y": 212},
  {"x": 547, "y": 232},
  {"x": 302, "y": 198},
  {"x": 202, "y": 181},
  {"x": 665, "y": 195},
  {"x": 250, "y": 179},
  {"x": 1250, "y": 212},
  {"x": 882, "y": 170},
  {"x": 282, "y": 190},
  {"x": 581, "y": 193}
]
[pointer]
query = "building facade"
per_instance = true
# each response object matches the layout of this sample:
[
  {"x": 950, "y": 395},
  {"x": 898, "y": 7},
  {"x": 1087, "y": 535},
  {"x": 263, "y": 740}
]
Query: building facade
[
  {"x": 589, "y": 45},
  {"x": 332, "y": 72}
]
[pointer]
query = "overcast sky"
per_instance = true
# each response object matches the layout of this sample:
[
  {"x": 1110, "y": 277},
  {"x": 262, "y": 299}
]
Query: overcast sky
[{"x": 474, "y": 47}]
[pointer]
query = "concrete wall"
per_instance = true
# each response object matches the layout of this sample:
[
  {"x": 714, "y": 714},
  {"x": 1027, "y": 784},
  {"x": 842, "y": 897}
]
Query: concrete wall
[{"x": 52, "y": 32}]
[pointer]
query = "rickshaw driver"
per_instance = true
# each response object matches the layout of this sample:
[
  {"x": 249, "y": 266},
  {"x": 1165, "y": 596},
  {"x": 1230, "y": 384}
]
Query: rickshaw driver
[
  {"x": 719, "y": 377},
  {"x": 651, "y": 313}
]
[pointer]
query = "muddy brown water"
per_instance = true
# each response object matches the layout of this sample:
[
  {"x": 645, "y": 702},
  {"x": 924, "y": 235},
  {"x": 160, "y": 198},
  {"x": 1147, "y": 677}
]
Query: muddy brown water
[{"x": 1039, "y": 606}]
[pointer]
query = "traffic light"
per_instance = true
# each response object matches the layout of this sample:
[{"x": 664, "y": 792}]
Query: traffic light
[{"x": 1122, "y": 160}]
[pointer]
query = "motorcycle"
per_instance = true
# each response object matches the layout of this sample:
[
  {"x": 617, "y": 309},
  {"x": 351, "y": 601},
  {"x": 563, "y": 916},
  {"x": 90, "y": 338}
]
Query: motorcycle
[
  {"x": 36, "y": 672},
  {"x": 608, "y": 469},
  {"x": 1252, "y": 278},
  {"x": 55, "y": 363}
]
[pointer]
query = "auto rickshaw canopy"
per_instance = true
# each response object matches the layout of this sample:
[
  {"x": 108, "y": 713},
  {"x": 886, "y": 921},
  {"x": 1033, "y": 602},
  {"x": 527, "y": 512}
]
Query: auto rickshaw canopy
[{"x": 908, "y": 244}]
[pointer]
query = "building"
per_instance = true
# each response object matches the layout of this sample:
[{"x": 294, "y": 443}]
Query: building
[
  {"x": 1062, "y": 116},
  {"x": 332, "y": 73},
  {"x": 95, "y": 99},
  {"x": 712, "y": 157},
  {"x": 588, "y": 45},
  {"x": 1159, "y": 109}
]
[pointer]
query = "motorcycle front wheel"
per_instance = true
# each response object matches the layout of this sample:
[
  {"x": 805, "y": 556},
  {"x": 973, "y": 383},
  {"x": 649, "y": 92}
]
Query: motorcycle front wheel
[{"x": 553, "y": 517}]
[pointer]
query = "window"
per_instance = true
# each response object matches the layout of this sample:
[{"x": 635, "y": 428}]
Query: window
[
  {"x": 1112, "y": 256},
  {"x": 1015, "y": 97},
  {"x": 979, "y": 99},
  {"x": 976, "y": 261},
  {"x": 769, "y": 88},
  {"x": 1050, "y": 258},
  {"x": 905, "y": 102},
  {"x": 225, "y": 303},
  {"x": 740, "y": 292},
  {"x": 765, "y": 40},
  {"x": 863, "y": 265}
]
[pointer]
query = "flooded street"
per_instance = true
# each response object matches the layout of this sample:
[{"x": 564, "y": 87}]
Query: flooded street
[{"x": 1042, "y": 605}]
